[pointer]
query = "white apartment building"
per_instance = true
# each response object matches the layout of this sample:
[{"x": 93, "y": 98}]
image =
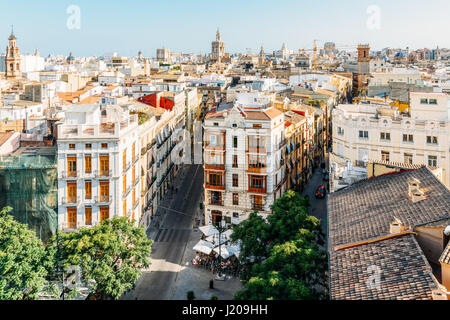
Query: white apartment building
[
  {"x": 98, "y": 166},
  {"x": 383, "y": 76},
  {"x": 363, "y": 132},
  {"x": 243, "y": 159}
]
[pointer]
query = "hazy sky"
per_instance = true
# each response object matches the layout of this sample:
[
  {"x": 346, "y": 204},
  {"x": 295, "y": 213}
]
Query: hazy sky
[{"x": 126, "y": 27}]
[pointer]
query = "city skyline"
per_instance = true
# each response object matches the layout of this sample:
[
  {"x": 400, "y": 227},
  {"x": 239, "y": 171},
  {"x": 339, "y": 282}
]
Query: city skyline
[{"x": 44, "y": 26}]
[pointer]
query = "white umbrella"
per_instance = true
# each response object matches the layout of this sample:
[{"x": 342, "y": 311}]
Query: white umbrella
[
  {"x": 225, "y": 251},
  {"x": 236, "y": 250},
  {"x": 203, "y": 247},
  {"x": 227, "y": 234},
  {"x": 209, "y": 230},
  {"x": 214, "y": 239}
]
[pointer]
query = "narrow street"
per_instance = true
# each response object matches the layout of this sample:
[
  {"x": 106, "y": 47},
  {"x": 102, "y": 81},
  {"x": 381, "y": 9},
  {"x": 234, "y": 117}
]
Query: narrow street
[
  {"x": 171, "y": 238},
  {"x": 318, "y": 206}
]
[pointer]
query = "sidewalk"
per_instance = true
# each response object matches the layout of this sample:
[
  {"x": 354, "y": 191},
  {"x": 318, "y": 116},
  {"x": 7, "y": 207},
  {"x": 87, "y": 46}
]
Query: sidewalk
[{"x": 191, "y": 278}]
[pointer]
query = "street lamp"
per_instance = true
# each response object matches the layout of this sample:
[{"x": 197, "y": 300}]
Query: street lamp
[{"x": 221, "y": 228}]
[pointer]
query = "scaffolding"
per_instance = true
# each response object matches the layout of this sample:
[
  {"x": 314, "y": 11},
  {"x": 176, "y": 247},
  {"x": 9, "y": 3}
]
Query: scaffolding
[{"x": 28, "y": 184}]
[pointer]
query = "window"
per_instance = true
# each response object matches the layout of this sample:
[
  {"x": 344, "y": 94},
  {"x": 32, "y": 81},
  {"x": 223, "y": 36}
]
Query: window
[
  {"x": 234, "y": 125},
  {"x": 124, "y": 157},
  {"x": 408, "y": 158},
  {"x": 432, "y": 140},
  {"x": 87, "y": 164},
  {"x": 216, "y": 124},
  {"x": 104, "y": 165},
  {"x": 385, "y": 156},
  {"x": 235, "y": 161},
  {"x": 408, "y": 138},
  {"x": 133, "y": 175},
  {"x": 257, "y": 125},
  {"x": 257, "y": 183},
  {"x": 235, "y": 199},
  {"x": 133, "y": 150},
  {"x": 88, "y": 216},
  {"x": 133, "y": 196},
  {"x": 104, "y": 191},
  {"x": 256, "y": 162},
  {"x": 257, "y": 202},
  {"x": 432, "y": 161},
  {"x": 72, "y": 146},
  {"x": 124, "y": 181},
  {"x": 385, "y": 136},
  {"x": 235, "y": 214},
  {"x": 216, "y": 198},
  {"x": 423, "y": 101},
  {"x": 104, "y": 213},
  {"x": 71, "y": 192},
  {"x": 432, "y": 101},
  {"x": 235, "y": 180},
  {"x": 71, "y": 218},
  {"x": 214, "y": 158},
  {"x": 88, "y": 189},
  {"x": 214, "y": 179},
  {"x": 88, "y": 146},
  {"x": 235, "y": 142},
  {"x": 256, "y": 143},
  {"x": 364, "y": 134},
  {"x": 340, "y": 131},
  {"x": 125, "y": 207},
  {"x": 72, "y": 166},
  {"x": 104, "y": 146}
]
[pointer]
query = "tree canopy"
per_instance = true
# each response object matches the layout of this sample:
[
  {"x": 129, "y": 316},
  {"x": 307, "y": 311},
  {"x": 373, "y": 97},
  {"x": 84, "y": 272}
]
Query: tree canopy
[
  {"x": 282, "y": 257},
  {"x": 24, "y": 260},
  {"x": 111, "y": 253}
]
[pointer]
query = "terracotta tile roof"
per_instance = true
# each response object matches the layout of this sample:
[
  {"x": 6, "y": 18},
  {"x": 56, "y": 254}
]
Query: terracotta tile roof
[
  {"x": 404, "y": 271},
  {"x": 364, "y": 211},
  {"x": 445, "y": 256},
  {"x": 366, "y": 208}
]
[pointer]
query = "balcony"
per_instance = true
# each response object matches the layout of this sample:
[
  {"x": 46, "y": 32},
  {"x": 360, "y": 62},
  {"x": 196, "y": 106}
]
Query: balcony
[
  {"x": 214, "y": 166},
  {"x": 216, "y": 202},
  {"x": 258, "y": 206},
  {"x": 68, "y": 201},
  {"x": 105, "y": 199},
  {"x": 282, "y": 144},
  {"x": 136, "y": 158},
  {"x": 135, "y": 182},
  {"x": 360, "y": 164},
  {"x": 103, "y": 174},
  {"x": 257, "y": 170},
  {"x": 127, "y": 191},
  {"x": 71, "y": 226},
  {"x": 135, "y": 204},
  {"x": 127, "y": 166},
  {"x": 68, "y": 174}
]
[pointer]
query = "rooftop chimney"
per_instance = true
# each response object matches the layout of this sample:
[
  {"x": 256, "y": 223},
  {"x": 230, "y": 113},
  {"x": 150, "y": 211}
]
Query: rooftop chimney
[
  {"x": 396, "y": 226},
  {"x": 414, "y": 191}
]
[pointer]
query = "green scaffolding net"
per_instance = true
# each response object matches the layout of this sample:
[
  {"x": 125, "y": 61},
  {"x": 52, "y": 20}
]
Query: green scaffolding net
[{"x": 28, "y": 184}]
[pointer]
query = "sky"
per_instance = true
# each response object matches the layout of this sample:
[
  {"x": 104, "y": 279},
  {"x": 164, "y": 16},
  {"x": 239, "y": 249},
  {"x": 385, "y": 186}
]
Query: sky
[{"x": 189, "y": 26}]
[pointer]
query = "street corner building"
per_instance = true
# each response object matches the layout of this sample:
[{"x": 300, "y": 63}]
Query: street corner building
[{"x": 388, "y": 238}]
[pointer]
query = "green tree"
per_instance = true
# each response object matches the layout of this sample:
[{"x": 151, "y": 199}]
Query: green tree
[
  {"x": 288, "y": 261},
  {"x": 24, "y": 260},
  {"x": 111, "y": 254}
]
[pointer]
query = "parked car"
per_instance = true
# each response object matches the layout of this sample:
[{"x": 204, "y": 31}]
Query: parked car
[{"x": 320, "y": 192}]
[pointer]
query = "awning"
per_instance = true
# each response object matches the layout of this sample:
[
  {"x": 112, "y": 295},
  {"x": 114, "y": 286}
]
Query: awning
[
  {"x": 214, "y": 239},
  {"x": 203, "y": 247},
  {"x": 225, "y": 251},
  {"x": 208, "y": 230}
]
